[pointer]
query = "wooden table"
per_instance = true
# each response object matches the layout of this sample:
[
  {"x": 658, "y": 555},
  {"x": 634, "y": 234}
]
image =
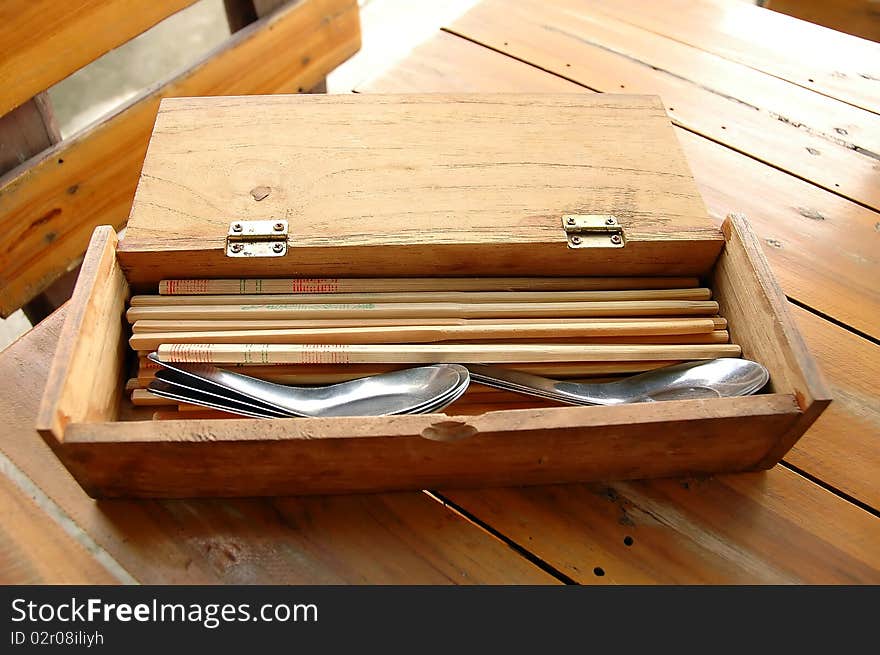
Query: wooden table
[{"x": 779, "y": 120}]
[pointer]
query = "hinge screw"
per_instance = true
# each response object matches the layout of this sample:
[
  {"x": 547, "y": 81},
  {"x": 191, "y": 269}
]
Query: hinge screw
[
  {"x": 575, "y": 239},
  {"x": 236, "y": 227},
  {"x": 615, "y": 238},
  {"x": 609, "y": 220},
  {"x": 570, "y": 220},
  {"x": 278, "y": 247},
  {"x": 279, "y": 227},
  {"x": 237, "y": 247}
]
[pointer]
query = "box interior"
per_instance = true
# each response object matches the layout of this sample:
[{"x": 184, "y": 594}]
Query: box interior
[{"x": 736, "y": 303}]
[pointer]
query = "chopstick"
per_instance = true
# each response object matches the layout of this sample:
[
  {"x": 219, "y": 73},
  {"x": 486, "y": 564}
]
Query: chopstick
[
  {"x": 697, "y": 293},
  {"x": 146, "y": 343},
  {"x": 357, "y": 285},
  {"x": 329, "y": 374},
  {"x": 429, "y": 333},
  {"x": 195, "y": 325},
  {"x": 218, "y": 353},
  {"x": 618, "y": 308}
]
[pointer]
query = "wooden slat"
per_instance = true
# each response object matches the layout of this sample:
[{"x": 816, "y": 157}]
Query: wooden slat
[
  {"x": 788, "y": 103},
  {"x": 34, "y": 549},
  {"x": 43, "y": 41},
  {"x": 620, "y": 59},
  {"x": 756, "y": 528},
  {"x": 835, "y": 64},
  {"x": 90, "y": 179},
  {"x": 797, "y": 249},
  {"x": 819, "y": 244},
  {"x": 841, "y": 448},
  {"x": 373, "y": 539}
]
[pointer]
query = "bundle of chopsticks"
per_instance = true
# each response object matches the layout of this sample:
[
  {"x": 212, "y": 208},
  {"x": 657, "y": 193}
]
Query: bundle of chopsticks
[{"x": 308, "y": 331}]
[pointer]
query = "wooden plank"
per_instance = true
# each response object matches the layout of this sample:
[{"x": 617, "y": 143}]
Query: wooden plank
[
  {"x": 752, "y": 528},
  {"x": 848, "y": 427},
  {"x": 820, "y": 245},
  {"x": 375, "y": 539},
  {"x": 384, "y": 208},
  {"x": 28, "y": 129},
  {"x": 569, "y": 43},
  {"x": 818, "y": 58},
  {"x": 43, "y": 41},
  {"x": 85, "y": 381},
  {"x": 89, "y": 179},
  {"x": 814, "y": 113},
  {"x": 841, "y": 448},
  {"x": 34, "y": 549}
]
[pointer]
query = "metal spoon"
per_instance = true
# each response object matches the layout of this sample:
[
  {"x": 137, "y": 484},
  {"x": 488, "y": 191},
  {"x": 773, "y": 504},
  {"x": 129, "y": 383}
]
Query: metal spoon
[
  {"x": 717, "y": 378},
  {"x": 189, "y": 389},
  {"x": 194, "y": 397},
  {"x": 408, "y": 391}
]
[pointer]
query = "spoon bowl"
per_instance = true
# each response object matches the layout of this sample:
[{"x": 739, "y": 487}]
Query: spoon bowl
[
  {"x": 409, "y": 391},
  {"x": 717, "y": 378}
]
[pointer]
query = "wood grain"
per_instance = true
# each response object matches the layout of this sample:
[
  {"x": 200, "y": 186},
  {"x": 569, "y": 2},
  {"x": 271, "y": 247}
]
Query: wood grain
[
  {"x": 821, "y": 246},
  {"x": 406, "y": 166},
  {"x": 374, "y": 539},
  {"x": 805, "y": 54},
  {"x": 570, "y": 39},
  {"x": 44, "y": 41},
  {"x": 90, "y": 178}
]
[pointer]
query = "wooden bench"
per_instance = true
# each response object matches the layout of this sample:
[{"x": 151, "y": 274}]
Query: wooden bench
[{"x": 54, "y": 191}]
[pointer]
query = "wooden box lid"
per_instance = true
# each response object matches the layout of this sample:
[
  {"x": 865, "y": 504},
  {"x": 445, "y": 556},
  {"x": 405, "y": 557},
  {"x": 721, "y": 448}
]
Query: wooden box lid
[{"x": 417, "y": 185}]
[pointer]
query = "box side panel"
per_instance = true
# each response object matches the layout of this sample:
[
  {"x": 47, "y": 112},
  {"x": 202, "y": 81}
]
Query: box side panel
[
  {"x": 759, "y": 321},
  {"x": 315, "y": 456},
  {"x": 86, "y": 378}
]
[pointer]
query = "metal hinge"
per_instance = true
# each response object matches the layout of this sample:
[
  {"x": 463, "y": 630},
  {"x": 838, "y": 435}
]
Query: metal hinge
[
  {"x": 593, "y": 231},
  {"x": 257, "y": 239}
]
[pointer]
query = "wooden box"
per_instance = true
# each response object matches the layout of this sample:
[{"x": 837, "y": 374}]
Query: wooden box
[{"x": 405, "y": 186}]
